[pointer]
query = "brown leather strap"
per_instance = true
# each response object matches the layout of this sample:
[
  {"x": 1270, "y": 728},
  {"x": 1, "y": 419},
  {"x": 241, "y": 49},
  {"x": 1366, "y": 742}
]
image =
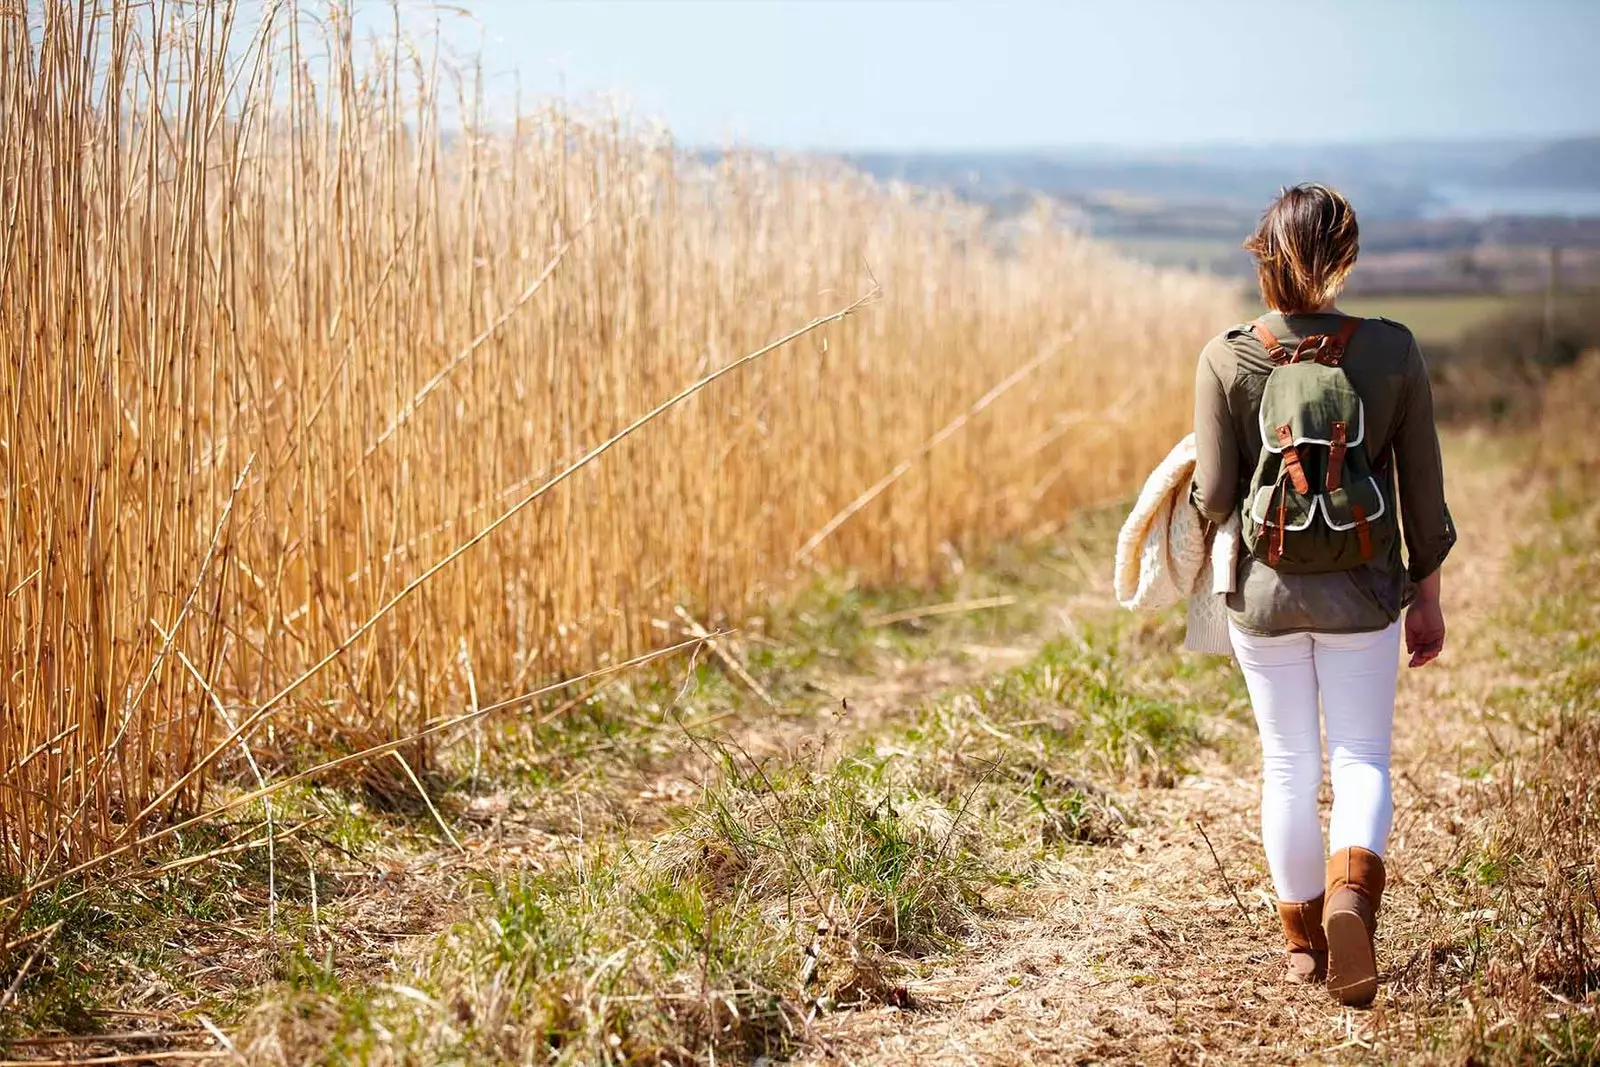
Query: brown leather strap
[
  {"x": 1329, "y": 347},
  {"x": 1275, "y": 543},
  {"x": 1275, "y": 350},
  {"x": 1341, "y": 338},
  {"x": 1325, "y": 348},
  {"x": 1291, "y": 460},
  {"x": 1363, "y": 530},
  {"x": 1336, "y": 455}
]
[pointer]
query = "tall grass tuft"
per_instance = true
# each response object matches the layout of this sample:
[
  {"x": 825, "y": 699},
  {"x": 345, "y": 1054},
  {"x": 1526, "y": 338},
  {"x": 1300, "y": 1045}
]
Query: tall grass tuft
[{"x": 288, "y": 320}]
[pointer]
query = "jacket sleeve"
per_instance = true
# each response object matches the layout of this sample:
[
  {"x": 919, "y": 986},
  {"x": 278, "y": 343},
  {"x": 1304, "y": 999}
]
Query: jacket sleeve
[
  {"x": 1216, "y": 469},
  {"x": 1429, "y": 531}
]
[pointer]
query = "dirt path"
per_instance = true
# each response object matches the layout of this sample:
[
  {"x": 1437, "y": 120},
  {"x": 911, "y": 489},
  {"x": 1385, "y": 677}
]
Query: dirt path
[{"x": 1143, "y": 953}]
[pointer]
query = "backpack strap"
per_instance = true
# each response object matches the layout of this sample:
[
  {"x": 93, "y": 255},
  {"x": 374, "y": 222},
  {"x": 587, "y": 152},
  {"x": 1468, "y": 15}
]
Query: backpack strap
[
  {"x": 1291, "y": 460},
  {"x": 1363, "y": 530},
  {"x": 1341, "y": 430},
  {"x": 1275, "y": 350},
  {"x": 1275, "y": 542},
  {"x": 1293, "y": 472},
  {"x": 1325, "y": 348},
  {"x": 1330, "y": 346}
]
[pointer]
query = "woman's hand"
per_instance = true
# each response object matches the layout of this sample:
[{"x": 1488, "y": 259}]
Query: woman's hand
[
  {"x": 1424, "y": 631},
  {"x": 1425, "y": 623}
]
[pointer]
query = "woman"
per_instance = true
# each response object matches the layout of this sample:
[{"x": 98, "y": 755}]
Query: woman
[{"x": 1302, "y": 631}]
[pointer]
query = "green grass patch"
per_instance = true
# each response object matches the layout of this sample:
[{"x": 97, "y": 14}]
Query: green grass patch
[
  {"x": 1111, "y": 701},
  {"x": 840, "y": 624},
  {"x": 204, "y": 901},
  {"x": 836, "y": 628},
  {"x": 620, "y": 959}
]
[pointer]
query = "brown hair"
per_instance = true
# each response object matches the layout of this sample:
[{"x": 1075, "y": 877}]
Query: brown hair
[{"x": 1304, "y": 246}]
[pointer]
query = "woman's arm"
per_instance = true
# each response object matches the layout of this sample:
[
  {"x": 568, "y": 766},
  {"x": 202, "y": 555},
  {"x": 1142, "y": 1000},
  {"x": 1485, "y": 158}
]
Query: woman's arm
[
  {"x": 1216, "y": 467},
  {"x": 1429, "y": 531},
  {"x": 1425, "y": 623}
]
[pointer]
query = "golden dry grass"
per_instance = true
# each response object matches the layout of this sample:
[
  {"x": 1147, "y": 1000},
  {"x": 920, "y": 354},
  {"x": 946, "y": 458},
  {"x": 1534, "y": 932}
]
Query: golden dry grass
[{"x": 279, "y": 344}]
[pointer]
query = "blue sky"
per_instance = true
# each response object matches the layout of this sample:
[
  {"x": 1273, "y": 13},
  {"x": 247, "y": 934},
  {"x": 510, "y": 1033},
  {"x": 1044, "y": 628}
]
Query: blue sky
[{"x": 1029, "y": 73}]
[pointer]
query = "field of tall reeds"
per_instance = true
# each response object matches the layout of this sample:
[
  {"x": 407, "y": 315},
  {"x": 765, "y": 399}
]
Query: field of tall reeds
[{"x": 337, "y": 408}]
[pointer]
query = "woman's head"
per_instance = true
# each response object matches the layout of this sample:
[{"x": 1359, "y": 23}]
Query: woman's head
[{"x": 1304, "y": 248}]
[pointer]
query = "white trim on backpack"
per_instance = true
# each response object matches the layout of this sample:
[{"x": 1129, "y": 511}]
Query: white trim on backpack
[
  {"x": 1261, "y": 520},
  {"x": 1269, "y": 438},
  {"x": 1318, "y": 502},
  {"x": 1327, "y": 516}
]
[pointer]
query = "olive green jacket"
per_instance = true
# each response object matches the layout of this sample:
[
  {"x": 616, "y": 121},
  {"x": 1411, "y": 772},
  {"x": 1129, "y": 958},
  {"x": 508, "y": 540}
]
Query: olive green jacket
[{"x": 1386, "y": 368}]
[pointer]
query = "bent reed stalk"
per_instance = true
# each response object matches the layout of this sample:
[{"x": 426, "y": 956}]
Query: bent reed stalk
[{"x": 285, "y": 337}]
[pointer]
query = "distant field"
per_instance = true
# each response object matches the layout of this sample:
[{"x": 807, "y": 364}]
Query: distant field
[
  {"x": 1214, "y": 255},
  {"x": 1444, "y": 318},
  {"x": 1440, "y": 318},
  {"x": 1437, "y": 318}
]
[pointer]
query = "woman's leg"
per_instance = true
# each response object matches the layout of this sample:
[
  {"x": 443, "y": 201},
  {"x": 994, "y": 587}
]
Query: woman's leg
[
  {"x": 1357, "y": 674},
  {"x": 1281, "y": 676}
]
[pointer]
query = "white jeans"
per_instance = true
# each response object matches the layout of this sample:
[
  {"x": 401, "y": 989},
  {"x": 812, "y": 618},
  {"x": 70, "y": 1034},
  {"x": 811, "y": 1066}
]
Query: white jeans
[{"x": 1355, "y": 675}]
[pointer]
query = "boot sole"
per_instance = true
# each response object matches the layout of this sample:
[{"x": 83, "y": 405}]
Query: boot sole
[{"x": 1352, "y": 965}]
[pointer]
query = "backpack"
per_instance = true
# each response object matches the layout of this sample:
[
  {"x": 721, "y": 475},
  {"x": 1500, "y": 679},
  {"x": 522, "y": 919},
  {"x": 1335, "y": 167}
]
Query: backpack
[{"x": 1314, "y": 504}]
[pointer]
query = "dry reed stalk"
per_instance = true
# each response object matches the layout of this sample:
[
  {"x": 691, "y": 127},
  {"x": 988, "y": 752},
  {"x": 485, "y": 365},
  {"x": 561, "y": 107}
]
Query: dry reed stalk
[
  {"x": 694, "y": 628},
  {"x": 125, "y": 1057},
  {"x": 955, "y": 607},
  {"x": 111, "y": 1038},
  {"x": 226, "y": 241},
  {"x": 49, "y": 933},
  {"x": 242, "y": 731}
]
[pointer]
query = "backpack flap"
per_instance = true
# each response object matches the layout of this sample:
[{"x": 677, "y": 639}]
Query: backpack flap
[
  {"x": 1311, "y": 400},
  {"x": 1357, "y": 506},
  {"x": 1298, "y": 510}
]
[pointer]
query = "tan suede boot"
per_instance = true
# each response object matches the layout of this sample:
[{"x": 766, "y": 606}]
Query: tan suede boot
[
  {"x": 1350, "y": 917},
  {"x": 1308, "y": 946}
]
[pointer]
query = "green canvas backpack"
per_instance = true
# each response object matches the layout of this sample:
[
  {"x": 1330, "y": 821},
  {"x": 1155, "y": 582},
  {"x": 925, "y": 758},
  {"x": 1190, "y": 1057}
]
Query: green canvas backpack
[{"x": 1314, "y": 503}]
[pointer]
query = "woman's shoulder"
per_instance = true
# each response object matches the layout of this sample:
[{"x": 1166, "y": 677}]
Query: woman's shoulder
[
  {"x": 1391, "y": 334},
  {"x": 1229, "y": 352},
  {"x": 1225, "y": 341},
  {"x": 1392, "y": 330},
  {"x": 1396, "y": 343}
]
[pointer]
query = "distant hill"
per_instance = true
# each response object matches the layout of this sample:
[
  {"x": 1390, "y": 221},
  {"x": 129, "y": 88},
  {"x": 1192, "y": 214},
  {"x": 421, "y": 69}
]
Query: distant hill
[
  {"x": 1123, "y": 189},
  {"x": 1573, "y": 164},
  {"x": 1181, "y": 179}
]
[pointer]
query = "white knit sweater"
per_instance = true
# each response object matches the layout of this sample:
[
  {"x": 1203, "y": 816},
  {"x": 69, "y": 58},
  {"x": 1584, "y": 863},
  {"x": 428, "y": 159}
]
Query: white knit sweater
[{"x": 1163, "y": 554}]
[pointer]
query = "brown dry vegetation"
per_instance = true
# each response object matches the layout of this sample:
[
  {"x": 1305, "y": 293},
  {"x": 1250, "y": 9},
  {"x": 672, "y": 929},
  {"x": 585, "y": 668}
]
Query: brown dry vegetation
[{"x": 281, "y": 346}]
